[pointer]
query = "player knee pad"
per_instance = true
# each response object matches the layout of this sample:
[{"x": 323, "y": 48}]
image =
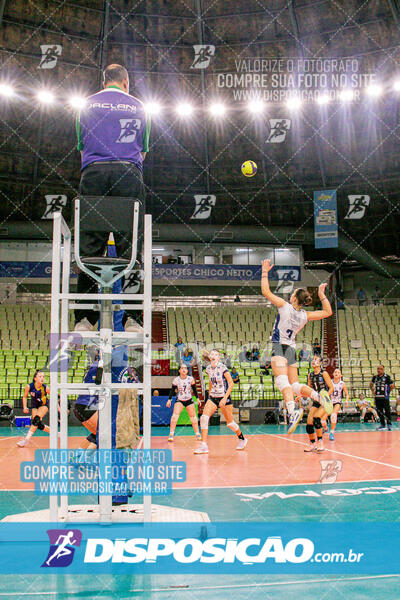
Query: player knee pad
[
  {"x": 37, "y": 422},
  {"x": 296, "y": 387},
  {"x": 204, "y": 421},
  {"x": 233, "y": 426},
  {"x": 92, "y": 438},
  {"x": 310, "y": 429},
  {"x": 282, "y": 382},
  {"x": 333, "y": 417},
  {"x": 317, "y": 423}
]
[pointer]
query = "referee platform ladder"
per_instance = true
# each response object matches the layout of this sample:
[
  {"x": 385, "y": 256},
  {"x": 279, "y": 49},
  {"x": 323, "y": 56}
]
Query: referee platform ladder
[{"x": 105, "y": 271}]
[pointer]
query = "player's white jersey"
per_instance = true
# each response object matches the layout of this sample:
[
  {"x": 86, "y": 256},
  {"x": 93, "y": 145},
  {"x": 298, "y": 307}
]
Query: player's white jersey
[
  {"x": 184, "y": 388},
  {"x": 337, "y": 394},
  {"x": 219, "y": 384},
  {"x": 304, "y": 402},
  {"x": 288, "y": 323}
]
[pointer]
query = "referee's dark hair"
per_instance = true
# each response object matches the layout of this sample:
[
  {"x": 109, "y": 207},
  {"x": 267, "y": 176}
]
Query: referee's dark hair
[{"x": 116, "y": 73}]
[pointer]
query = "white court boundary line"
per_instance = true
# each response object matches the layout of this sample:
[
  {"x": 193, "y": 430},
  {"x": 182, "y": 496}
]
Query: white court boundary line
[
  {"x": 276, "y": 486},
  {"x": 371, "y": 460},
  {"x": 219, "y": 587}
]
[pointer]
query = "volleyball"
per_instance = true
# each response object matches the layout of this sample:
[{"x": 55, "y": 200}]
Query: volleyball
[{"x": 249, "y": 168}]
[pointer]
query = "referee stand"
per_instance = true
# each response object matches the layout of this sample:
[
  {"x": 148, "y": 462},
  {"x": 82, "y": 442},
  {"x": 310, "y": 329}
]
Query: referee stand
[{"x": 105, "y": 271}]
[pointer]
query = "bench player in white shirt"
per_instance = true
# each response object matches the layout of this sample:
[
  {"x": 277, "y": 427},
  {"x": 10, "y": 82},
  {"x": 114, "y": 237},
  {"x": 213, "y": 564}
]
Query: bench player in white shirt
[
  {"x": 290, "y": 320},
  {"x": 339, "y": 390},
  {"x": 184, "y": 387},
  {"x": 220, "y": 388}
]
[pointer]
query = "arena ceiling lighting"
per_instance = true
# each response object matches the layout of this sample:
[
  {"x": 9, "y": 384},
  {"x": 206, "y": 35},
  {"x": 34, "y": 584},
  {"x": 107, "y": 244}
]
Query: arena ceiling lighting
[
  {"x": 293, "y": 103},
  {"x": 6, "y": 90},
  {"x": 152, "y": 108},
  {"x": 77, "y": 101},
  {"x": 323, "y": 99},
  {"x": 217, "y": 109},
  {"x": 396, "y": 86},
  {"x": 184, "y": 109},
  {"x": 346, "y": 95},
  {"x": 374, "y": 91},
  {"x": 45, "y": 97},
  {"x": 256, "y": 106}
]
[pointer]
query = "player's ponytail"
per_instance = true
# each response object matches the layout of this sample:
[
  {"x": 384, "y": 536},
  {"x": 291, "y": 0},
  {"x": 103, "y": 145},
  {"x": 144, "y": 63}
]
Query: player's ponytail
[{"x": 303, "y": 297}]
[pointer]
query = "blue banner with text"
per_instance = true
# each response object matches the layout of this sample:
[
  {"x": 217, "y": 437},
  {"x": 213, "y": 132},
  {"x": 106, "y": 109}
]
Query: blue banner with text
[{"x": 201, "y": 548}]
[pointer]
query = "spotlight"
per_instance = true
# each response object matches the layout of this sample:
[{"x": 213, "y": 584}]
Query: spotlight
[
  {"x": 184, "y": 109},
  {"x": 256, "y": 106},
  {"x": 6, "y": 90},
  {"x": 45, "y": 96},
  {"x": 217, "y": 109},
  {"x": 324, "y": 98},
  {"x": 77, "y": 101},
  {"x": 374, "y": 91},
  {"x": 293, "y": 103},
  {"x": 396, "y": 86},
  {"x": 346, "y": 95},
  {"x": 152, "y": 108}
]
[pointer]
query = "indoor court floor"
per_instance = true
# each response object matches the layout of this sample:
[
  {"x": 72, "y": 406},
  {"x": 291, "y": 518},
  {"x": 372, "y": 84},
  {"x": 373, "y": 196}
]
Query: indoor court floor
[{"x": 271, "y": 480}]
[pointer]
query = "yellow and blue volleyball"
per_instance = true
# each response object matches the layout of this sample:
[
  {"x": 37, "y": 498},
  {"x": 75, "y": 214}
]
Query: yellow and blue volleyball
[{"x": 249, "y": 168}]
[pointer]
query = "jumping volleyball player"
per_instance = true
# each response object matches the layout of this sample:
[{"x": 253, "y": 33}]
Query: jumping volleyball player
[
  {"x": 339, "y": 390},
  {"x": 220, "y": 388},
  {"x": 39, "y": 393},
  {"x": 321, "y": 384},
  {"x": 184, "y": 388},
  {"x": 290, "y": 320}
]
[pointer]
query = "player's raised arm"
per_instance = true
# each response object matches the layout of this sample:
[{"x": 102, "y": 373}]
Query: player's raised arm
[
  {"x": 317, "y": 315},
  {"x": 265, "y": 289}
]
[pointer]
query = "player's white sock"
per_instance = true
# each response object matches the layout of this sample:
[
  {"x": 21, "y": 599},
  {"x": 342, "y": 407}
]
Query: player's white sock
[
  {"x": 290, "y": 407},
  {"x": 29, "y": 435}
]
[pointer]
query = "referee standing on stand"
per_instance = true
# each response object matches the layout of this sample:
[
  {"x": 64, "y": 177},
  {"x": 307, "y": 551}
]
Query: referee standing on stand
[
  {"x": 381, "y": 385},
  {"x": 113, "y": 138}
]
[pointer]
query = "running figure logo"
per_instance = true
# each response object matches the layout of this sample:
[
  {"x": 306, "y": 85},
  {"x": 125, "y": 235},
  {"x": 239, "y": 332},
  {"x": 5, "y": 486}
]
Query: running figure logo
[
  {"x": 357, "y": 206},
  {"x": 54, "y": 203},
  {"x": 129, "y": 129},
  {"x": 62, "y": 547},
  {"x": 330, "y": 470},
  {"x": 132, "y": 282},
  {"x": 202, "y": 56},
  {"x": 278, "y": 130},
  {"x": 204, "y": 204},
  {"x": 50, "y": 54}
]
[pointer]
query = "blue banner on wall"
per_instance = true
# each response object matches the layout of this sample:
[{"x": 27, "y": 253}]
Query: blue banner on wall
[
  {"x": 25, "y": 270},
  {"x": 224, "y": 272},
  {"x": 201, "y": 548},
  {"x": 325, "y": 219}
]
